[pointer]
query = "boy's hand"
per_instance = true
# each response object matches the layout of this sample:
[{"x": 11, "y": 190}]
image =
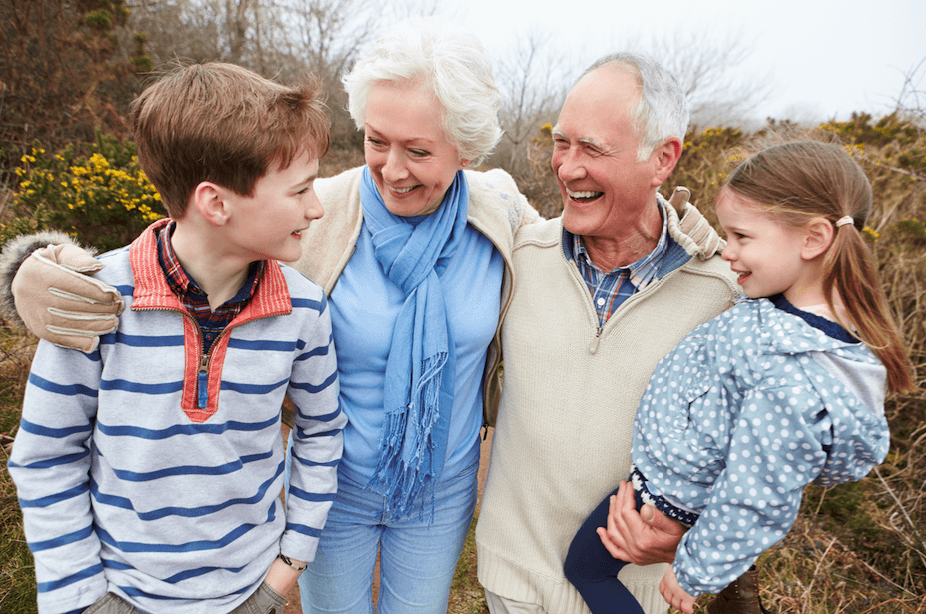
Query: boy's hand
[
  {"x": 640, "y": 538},
  {"x": 674, "y": 594},
  {"x": 281, "y": 577}
]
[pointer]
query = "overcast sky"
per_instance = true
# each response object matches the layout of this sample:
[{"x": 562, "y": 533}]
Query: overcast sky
[{"x": 824, "y": 58}]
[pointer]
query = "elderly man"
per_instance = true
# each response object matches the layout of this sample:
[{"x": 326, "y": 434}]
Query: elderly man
[{"x": 602, "y": 293}]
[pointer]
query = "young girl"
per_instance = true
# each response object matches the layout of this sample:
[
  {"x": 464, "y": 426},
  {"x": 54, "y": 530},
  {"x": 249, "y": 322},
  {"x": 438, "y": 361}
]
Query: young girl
[{"x": 784, "y": 388}]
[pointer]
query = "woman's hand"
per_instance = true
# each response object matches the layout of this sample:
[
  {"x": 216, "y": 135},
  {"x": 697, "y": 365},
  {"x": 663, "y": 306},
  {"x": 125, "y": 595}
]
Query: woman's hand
[
  {"x": 59, "y": 301},
  {"x": 640, "y": 538}
]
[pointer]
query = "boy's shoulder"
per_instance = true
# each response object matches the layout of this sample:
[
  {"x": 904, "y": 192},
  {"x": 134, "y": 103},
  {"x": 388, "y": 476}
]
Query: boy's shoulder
[
  {"x": 302, "y": 289},
  {"x": 118, "y": 269}
]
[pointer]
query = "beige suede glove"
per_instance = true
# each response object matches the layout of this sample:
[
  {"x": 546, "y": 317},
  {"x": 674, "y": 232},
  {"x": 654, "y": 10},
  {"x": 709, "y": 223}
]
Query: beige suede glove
[
  {"x": 59, "y": 301},
  {"x": 693, "y": 224}
]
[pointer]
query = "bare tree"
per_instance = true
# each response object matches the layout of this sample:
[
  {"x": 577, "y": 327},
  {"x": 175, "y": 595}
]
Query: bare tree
[
  {"x": 533, "y": 83},
  {"x": 911, "y": 101},
  {"x": 238, "y": 31},
  {"x": 710, "y": 68},
  {"x": 328, "y": 34}
]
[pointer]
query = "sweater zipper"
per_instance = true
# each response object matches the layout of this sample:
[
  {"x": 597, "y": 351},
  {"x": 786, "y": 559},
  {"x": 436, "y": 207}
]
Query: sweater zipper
[
  {"x": 202, "y": 382},
  {"x": 202, "y": 376},
  {"x": 593, "y": 347}
]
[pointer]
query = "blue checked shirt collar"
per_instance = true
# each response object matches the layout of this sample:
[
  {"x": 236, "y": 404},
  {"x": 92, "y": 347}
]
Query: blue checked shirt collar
[{"x": 610, "y": 289}]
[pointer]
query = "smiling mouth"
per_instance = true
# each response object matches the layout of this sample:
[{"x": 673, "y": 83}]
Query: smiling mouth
[
  {"x": 742, "y": 277},
  {"x": 583, "y": 196},
  {"x": 403, "y": 190}
]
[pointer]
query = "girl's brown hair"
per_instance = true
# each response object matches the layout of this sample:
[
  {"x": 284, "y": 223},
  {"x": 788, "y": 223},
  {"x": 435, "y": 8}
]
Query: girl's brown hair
[{"x": 802, "y": 180}]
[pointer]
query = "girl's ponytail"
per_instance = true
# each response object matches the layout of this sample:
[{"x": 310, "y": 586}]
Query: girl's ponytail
[{"x": 850, "y": 270}]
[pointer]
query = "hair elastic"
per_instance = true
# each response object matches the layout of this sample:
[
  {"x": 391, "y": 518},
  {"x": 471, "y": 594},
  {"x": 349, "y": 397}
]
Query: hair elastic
[{"x": 844, "y": 220}]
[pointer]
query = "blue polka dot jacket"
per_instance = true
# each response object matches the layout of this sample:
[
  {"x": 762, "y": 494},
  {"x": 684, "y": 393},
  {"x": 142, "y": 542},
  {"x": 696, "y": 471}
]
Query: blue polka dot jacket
[{"x": 748, "y": 409}]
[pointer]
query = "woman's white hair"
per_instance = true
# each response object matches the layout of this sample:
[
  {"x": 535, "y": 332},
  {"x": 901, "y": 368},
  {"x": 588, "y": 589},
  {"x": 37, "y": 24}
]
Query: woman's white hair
[
  {"x": 661, "y": 111},
  {"x": 452, "y": 63}
]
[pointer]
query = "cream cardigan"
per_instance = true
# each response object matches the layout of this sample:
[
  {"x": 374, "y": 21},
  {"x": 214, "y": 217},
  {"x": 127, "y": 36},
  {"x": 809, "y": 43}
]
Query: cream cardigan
[{"x": 562, "y": 442}]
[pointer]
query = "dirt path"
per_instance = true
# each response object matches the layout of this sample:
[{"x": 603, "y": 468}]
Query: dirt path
[{"x": 293, "y": 603}]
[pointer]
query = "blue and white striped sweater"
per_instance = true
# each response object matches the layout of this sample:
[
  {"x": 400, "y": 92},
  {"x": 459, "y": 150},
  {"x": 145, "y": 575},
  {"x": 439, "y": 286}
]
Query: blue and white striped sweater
[{"x": 125, "y": 488}]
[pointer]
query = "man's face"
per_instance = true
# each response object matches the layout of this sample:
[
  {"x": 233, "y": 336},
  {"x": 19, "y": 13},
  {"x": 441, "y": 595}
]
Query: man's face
[{"x": 604, "y": 188}]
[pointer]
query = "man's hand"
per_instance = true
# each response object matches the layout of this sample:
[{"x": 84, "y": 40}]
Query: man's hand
[
  {"x": 674, "y": 594},
  {"x": 58, "y": 300},
  {"x": 641, "y": 538},
  {"x": 281, "y": 577}
]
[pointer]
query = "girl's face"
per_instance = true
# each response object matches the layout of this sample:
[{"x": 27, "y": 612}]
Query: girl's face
[
  {"x": 410, "y": 158},
  {"x": 765, "y": 253}
]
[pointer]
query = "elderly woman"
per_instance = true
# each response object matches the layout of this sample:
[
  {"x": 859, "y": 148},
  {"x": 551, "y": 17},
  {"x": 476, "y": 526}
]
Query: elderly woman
[{"x": 415, "y": 256}]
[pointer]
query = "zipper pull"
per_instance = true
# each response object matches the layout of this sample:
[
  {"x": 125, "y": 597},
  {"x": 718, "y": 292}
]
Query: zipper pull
[
  {"x": 593, "y": 348},
  {"x": 203, "y": 382}
]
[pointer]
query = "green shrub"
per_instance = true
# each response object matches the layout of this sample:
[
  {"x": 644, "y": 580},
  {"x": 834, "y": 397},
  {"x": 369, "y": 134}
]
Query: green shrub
[{"x": 104, "y": 200}]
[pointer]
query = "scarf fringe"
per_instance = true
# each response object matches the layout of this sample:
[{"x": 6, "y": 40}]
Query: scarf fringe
[{"x": 400, "y": 475}]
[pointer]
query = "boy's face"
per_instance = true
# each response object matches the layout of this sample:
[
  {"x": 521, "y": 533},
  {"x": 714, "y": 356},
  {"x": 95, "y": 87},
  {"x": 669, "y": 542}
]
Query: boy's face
[{"x": 267, "y": 225}]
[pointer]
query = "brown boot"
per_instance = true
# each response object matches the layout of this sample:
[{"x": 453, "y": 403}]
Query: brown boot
[{"x": 740, "y": 597}]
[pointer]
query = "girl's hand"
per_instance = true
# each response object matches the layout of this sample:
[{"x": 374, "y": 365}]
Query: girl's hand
[{"x": 674, "y": 595}]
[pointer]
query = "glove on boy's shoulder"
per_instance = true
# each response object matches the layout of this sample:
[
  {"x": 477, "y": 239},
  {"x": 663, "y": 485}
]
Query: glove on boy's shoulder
[{"x": 14, "y": 254}]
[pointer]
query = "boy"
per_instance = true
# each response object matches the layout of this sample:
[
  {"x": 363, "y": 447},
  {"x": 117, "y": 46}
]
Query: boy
[{"x": 149, "y": 470}]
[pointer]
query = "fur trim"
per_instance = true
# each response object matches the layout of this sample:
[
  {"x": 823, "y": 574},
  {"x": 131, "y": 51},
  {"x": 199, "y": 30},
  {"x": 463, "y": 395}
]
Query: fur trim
[{"x": 13, "y": 255}]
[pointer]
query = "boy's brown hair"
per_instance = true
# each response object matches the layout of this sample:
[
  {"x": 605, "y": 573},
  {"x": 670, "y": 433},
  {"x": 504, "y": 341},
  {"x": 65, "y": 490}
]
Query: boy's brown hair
[{"x": 225, "y": 124}]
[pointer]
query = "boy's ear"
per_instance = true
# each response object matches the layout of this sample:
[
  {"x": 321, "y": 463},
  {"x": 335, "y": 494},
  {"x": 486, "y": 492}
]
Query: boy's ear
[
  {"x": 211, "y": 201},
  {"x": 818, "y": 236}
]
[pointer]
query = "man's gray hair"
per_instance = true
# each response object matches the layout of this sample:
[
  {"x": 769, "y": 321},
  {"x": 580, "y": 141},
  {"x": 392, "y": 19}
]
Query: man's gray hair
[
  {"x": 452, "y": 63},
  {"x": 661, "y": 111}
]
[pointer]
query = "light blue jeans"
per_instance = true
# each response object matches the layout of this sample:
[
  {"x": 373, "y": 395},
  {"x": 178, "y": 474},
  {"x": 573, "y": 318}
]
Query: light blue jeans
[{"x": 417, "y": 559}]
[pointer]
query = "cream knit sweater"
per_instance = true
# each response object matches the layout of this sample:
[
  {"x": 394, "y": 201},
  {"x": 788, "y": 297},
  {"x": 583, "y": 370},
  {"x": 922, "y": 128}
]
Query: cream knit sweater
[{"x": 562, "y": 442}]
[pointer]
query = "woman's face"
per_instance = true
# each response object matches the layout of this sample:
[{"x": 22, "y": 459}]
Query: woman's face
[{"x": 410, "y": 157}]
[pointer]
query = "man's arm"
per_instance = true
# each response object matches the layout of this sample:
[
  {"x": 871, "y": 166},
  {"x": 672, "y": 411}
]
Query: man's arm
[
  {"x": 50, "y": 465},
  {"x": 641, "y": 538}
]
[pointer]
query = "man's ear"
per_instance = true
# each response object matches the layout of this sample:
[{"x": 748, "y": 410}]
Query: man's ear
[
  {"x": 211, "y": 201},
  {"x": 818, "y": 236},
  {"x": 665, "y": 157}
]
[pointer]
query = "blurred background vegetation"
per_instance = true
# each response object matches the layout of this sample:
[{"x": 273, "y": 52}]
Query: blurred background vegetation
[{"x": 69, "y": 68}]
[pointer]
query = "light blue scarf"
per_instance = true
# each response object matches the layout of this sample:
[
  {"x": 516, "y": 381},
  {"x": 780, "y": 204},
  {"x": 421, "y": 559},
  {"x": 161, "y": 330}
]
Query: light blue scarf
[{"x": 420, "y": 369}]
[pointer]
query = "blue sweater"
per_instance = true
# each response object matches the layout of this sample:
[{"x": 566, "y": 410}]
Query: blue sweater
[
  {"x": 141, "y": 472},
  {"x": 748, "y": 409}
]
